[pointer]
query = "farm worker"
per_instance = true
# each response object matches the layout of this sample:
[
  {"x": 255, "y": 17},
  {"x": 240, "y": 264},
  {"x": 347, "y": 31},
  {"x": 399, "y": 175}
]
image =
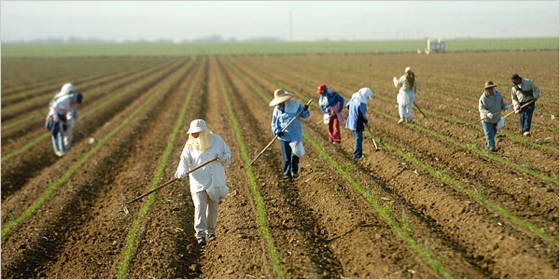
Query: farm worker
[
  {"x": 405, "y": 98},
  {"x": 524, "y": 92},
  {"x": 490, "y": 105},
  {"x": 201, "y": 146},
  {"x": 61, "y": 120},
  {"x": 357, "y": 108},
  {"x": 331, "y": 104},
  {"x": 291, "y": 145}
]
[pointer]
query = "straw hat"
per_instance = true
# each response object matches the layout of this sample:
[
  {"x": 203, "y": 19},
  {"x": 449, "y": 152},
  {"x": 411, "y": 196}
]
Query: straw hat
[
  {"x": 489, "y": 84},
  {"x": 197, "y": 126},
  {"x": 280, "y": 96}
]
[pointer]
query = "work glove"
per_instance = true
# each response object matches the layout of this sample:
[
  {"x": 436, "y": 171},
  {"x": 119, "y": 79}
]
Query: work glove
[
  {"x": 279, "y": 133},
  {"x": 516, "y": 109},
  {"x": 305, "y": 107},
  {"x": 489, "y": 115},
  {"x": 179, "y": 175}
]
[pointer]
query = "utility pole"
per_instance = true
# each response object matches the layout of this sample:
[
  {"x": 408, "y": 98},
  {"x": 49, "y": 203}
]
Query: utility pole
[{"x": 291, "y": 28}]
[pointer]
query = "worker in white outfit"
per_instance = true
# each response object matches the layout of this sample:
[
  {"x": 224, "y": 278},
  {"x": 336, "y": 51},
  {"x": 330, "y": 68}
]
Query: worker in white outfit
[
  {"x": 405, "y": 98},
  {"x": 62, "y": 118},
  {"x": 207, "y": 184}
]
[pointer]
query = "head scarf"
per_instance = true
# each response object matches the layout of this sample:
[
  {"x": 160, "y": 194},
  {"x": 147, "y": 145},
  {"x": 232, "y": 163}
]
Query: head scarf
[
  {"x": 66, "y": 89},
  {"x": 202, "y": 143},
  {"x": 362, "y": 95}
]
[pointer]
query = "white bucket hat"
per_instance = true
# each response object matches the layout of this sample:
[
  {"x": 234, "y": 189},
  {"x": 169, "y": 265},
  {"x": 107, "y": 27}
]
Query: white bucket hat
[
  {"x": 280, "y": 96},
  {"x": 197, "y": 125},
  {"x": 407, "y": 69}
]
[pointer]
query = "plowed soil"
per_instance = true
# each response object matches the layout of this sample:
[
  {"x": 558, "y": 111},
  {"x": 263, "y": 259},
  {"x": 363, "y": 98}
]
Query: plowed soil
[{"x": 429, "y": 204}]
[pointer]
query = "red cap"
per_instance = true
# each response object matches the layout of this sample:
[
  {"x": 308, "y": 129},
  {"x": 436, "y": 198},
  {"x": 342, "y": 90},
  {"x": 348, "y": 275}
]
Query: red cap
[{"x": 321, "y": 88}]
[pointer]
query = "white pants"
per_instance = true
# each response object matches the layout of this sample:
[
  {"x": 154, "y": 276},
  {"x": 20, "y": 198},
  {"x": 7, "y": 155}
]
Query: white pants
[
  {"x": 405, "y": 100},
  {"x": 68, "y": 136},
  {"x": 205, "y": 214}
]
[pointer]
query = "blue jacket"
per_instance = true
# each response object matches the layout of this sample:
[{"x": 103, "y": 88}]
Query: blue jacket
[
  {"x": 332, "y": 100},
  {"x": 356, "y": 115},
  {"x": 280, "y": 119}
]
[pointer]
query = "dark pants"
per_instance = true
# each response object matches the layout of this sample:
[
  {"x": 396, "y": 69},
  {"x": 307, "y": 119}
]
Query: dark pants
[
  {"x": 289, "y": 161},
  {"x": 526, "y": 116},
  {"x": 358, "y": 139},
  {"x": 57, "y": 137}
]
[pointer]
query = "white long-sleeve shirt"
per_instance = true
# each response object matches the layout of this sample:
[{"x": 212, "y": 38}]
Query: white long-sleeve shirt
[
  {"x": 212, "y": 174},
  {"x": 61, "y": 106},
  {"x": 517, "y": 95},
  {"x": 403, "y": 85}
]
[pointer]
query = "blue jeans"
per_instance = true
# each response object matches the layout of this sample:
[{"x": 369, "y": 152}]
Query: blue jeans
[
  {"x": 358, "y": 139},
  {"x": 526, "y": 116},
  {"x": 289, "y": 161},
  {"x": 490, "y": 134}
]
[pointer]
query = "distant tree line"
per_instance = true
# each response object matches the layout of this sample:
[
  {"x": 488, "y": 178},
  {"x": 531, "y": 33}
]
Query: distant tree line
[{"x": 92, "y": 40}]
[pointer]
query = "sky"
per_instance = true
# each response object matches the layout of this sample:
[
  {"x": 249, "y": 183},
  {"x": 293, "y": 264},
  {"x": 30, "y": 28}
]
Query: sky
[{"x": 311, "y": 20}]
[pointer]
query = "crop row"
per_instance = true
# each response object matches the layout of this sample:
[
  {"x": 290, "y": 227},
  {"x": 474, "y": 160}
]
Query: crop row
[
  {"x": 444, "y": 94},
  {"x": 484, "y": 202},
  {"x": 382, "y": 210},
  {"x": 33, "y": 119},
  {"x": 98, "y": 105},
  {"x": 32, "y": 153},
  {"x": 57, "y": 182},
  {"x": 502, "y": 159},
  {"x": 131, "y": 239}
]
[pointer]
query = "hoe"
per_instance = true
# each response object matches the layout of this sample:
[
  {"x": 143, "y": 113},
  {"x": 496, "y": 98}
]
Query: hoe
[{"x": 125, "y": 209}]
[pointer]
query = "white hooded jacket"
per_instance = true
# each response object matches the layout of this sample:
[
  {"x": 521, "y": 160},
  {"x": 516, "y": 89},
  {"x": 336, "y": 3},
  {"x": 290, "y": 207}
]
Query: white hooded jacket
[{"x": 211, "y": 175}]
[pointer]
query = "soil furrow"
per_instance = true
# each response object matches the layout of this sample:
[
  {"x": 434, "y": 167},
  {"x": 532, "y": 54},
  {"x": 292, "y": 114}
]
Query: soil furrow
[
  {"x": 384, "y": 83},
  {"x": 22, "y": 126},
  {"x": 293, "y": 231},
  {"x": 467, "y": 164},
  {"x": 168, "y": 232},
  {"x": 463, "y": 267},
  {"x": 17, "y": 172},
  {"x": 89, "y": 189},
  {"x": 444, "y": 143},
  {"x": 484, "y": 226},
  {"x": 240, "y": 250},
  {"x": 60, "y": 70}
]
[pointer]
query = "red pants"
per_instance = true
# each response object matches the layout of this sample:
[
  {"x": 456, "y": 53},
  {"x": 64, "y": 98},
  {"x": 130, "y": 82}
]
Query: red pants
[{"x": 334, "y": 129}]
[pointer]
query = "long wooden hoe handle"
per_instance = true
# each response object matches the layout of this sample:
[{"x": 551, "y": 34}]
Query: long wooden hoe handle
[
  {"x": 275, "y": 136},
  {"x": 372, "y": 138},
  {"x": 419, "y": 109},
  {"x": 506, "y": 115},
  {"x": 171, "y": 181},
  {"x": 527, "y": 104}
]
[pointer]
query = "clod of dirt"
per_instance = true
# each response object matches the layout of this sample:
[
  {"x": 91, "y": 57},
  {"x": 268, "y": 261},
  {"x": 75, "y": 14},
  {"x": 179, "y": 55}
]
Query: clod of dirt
[{"x": 91, "y": 140}]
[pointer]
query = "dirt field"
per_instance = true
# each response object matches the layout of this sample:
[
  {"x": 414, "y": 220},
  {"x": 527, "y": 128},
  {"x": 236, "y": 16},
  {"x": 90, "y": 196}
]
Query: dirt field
[{"x": 431, "y": 203}]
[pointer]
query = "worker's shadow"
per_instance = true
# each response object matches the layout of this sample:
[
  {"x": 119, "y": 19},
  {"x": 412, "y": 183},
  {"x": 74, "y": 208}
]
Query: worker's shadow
[{"x": 187, "y": 263}]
